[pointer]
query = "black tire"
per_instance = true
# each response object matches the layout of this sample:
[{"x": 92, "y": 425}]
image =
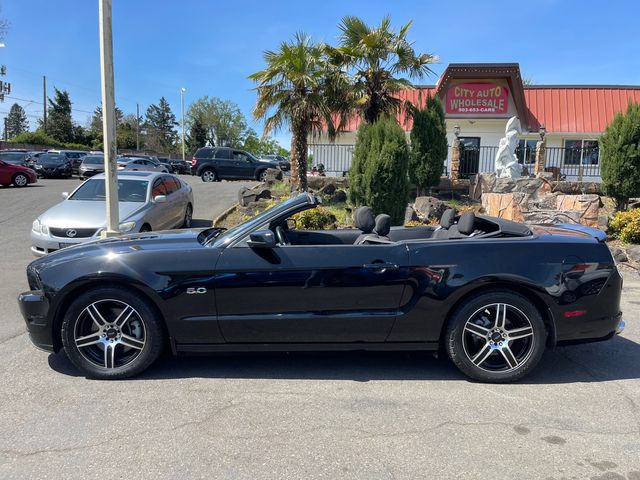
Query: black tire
[
  {"x": 92, "y": 359},
  {"x": 261, "y": 175},
  {"x": 20, "y": 180},
  {"x": 485, "y": 350},
  {"x": 209, "y": 175},
  {"x": 145, "y": 228},
  {"x": 188, "y": 216}
]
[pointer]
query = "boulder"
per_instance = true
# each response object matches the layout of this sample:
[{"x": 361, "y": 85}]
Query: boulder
[
  {"x": 510, "y": 206},
  {"x": 586, "y": 205},
  {"x": 577, "y": 188},
  {"x": 481, "y": 183},
  {"x": 619, "y": 254},
  {"x": 410, "y": 215},
  {"x": 633, "y": 253},
  {"x": 552, "y": 216},
  {"x": 339, "y": 197},
  {"x": 328, "y": 189},
  {"x": 248, "y": 196},
  {"x": 429, "y": 207},
  {"x": 316, "y": 182}
]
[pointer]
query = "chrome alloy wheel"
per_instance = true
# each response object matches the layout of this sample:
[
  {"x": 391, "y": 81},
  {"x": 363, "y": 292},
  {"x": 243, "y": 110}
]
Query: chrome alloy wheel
[
  {"x": 498, "y": 338},
  {"x": 209, "y": 176},
  {"x": 109, "y": 333}
]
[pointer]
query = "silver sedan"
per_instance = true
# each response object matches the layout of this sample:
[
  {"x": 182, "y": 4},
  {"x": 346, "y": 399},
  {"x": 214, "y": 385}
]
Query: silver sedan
[
  {"x": 147, "y": 201},
  {"x": 139, "y": 164}
]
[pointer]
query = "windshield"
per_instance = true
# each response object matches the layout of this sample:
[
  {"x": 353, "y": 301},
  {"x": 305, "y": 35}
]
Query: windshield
[
  {"x": 128, "y": 191},
  {"x": 13, "y": 157},
  {"x": 245, "y": 227},
  {"x": 93, "y": 160},
  {"x": 49, "y": 158}
]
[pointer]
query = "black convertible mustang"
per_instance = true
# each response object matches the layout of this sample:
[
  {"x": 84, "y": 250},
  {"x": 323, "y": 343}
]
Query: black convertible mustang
[{"x": 490, "y": 292}]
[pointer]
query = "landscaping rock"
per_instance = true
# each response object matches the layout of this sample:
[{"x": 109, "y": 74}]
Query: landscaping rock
[
  {"x": 633, "y": 253},
  {"x": 273, "y": 175},
  {"x": 578, "y": 188},
  {"x": 328, "y": 189},
  {"x": 339, "y": 197},
  {"x": 619, "y": 254},
  {"x": 586, "y": 205},
  {"x": 510, "y": 206},
  {"x": 552, "y": 216},
  {"x": 248, "y": 196},
  {"x": 410, "y": 215},
  {"x": 317, "y": 182},
  {"x": 429, "y": 207}
]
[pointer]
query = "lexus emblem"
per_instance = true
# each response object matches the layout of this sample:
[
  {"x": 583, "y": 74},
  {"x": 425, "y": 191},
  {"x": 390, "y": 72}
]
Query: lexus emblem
[{"x": 71, "y": 233}]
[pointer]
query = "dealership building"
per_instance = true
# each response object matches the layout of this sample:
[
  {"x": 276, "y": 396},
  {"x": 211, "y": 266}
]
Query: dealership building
[{"x": 478, "y": 100}]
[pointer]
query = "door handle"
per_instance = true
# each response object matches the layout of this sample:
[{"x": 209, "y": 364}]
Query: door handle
[{"x": 381, "y": 266}]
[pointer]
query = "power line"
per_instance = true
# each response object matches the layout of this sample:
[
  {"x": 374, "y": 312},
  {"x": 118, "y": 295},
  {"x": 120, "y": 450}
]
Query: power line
[{"x": 40, "y": 103}]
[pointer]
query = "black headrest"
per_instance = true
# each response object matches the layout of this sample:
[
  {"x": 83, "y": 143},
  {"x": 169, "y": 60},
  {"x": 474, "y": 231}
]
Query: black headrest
[
  {"x": 364, "y": 219},
  {"x": 383, "y": 224},
  {"x": 466, "y": 222},
  {"x": 447, "y": 218}
]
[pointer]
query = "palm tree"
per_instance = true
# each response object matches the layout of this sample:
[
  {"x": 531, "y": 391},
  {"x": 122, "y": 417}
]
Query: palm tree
[
  {"x": 375, "y": 57},
  {"x": 299, "y": 88}
]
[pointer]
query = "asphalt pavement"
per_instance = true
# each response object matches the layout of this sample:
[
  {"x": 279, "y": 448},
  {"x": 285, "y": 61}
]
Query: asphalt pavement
[{"x": 289, "y": 416}]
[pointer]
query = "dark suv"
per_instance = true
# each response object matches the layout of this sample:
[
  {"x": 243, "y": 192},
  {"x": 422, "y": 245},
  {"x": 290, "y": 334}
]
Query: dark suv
[
  {"x": 215, "y": 163},
  {"x": 74, "y": 156}
]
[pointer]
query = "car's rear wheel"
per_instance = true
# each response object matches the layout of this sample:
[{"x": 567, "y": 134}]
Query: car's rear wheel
[
  {"x": 209, "y": 175},
  {"x": 497, "y": 336},
  {"x": 188, "y": 216},
  {"x": 20, "y": 180},
  {"x": 262, "y": 175},
  {"x": 111, "y": 333}
]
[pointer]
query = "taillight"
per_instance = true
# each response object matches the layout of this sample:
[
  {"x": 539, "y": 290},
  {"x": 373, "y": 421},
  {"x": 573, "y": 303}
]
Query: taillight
[{"x": 194, "y": 161}]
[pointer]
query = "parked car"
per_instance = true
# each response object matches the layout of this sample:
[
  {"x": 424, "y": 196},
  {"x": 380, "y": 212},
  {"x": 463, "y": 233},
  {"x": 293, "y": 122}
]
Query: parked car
[
  {"x": 14, "y": 157},
  {"x": 493, "y": 293},
  {"x": 141, "y": 164},
  {"x": 56, "y": 165},
  {"x": 216, "y": 163},
  {"x": 180, "y": 166},
  {"x": 91, "y": 165},
  {"x": 32, "y": 157},
  {"x": 283, "y": 163},
  {"x": 166, "y": 163},
  {"x": 75, "y": 158},
  {"x": 147, "y": 201},
  {"x": 17, "y": 175}
]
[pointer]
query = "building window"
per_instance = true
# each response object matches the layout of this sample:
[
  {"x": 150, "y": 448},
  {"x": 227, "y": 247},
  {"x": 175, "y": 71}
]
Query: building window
[
  {"x": 526, "y": 151},
  {"x": 581, "y": 152}
]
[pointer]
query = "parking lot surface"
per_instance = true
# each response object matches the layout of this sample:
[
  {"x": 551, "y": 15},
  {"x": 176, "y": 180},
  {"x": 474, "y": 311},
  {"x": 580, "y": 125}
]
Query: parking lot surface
[{"x": 336, "y": 415}]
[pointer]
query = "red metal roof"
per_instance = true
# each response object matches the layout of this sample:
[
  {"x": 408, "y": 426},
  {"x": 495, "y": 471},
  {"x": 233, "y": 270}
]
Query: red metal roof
[{"x": 576, "y": 109}]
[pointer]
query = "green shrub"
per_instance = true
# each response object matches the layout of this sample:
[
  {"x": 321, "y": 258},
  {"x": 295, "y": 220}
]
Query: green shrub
[
  {"x": 379, "y": 172},
  {"x": 40, "y": 138},
  {"x": 620, "y": 155},
  {"x": 318, "y": 218},
  {"x": 428, "y": 144}
]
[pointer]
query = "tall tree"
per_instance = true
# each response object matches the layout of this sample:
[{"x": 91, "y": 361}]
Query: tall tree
[
  {"x": 377, "y": 58},
  {"x": 299, "y": 89},
  {"x": 126, "y": 132},
  {"x": 197, "y": 136},
  {"x": 95, "y": 124},
  {"x": 428, "y": 144},
  {"x": 16, "y": 121},
  {"x": 59, "y": 123},
  {"x": 222, "y": 120},
  {"x": 263, "y": 145},
  {"x": 160, "y": 125}
]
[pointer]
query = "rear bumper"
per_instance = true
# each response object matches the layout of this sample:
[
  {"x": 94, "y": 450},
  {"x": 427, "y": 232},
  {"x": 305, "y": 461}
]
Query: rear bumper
[{"x": 34, "y": 307}]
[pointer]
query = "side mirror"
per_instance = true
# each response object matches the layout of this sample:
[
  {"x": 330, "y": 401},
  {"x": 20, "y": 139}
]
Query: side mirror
[
  {"x": 160, "y": 198},
  {"x": 262, "y": 239},
  {"x": 65, "y": 195}
]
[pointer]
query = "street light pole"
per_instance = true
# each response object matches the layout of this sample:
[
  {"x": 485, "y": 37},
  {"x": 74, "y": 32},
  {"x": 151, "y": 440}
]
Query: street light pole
[
  {"x": 182, "y": 90},
  {"x": 108, "y": 119}
]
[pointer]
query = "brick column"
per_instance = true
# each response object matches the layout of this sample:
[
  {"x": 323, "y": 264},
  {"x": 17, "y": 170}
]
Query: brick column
[
  {"x": 541, "y": 153},
  {"x": 455, "y": 161}
]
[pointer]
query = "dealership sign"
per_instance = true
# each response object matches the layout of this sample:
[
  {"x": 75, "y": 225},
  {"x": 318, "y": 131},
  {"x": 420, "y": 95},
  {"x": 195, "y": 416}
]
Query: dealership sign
[{"x": 481, "y": 98}]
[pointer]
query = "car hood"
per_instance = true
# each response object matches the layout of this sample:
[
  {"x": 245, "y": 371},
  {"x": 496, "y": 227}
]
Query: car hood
[
  {"x": 134, "y": 244},
  {"x": 86, "y": 213},
  {"x": 266, "y": 160}
]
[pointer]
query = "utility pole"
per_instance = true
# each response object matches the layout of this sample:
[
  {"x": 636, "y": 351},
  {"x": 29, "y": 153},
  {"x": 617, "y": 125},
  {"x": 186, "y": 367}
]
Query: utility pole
[
  {"x": 5, "y": 129},
  {"x": 108, "y": 119},
  {"x": 182, "y": 90},
  {"x": 44, "y": 103},
  {"x": 137, "y": 127}
]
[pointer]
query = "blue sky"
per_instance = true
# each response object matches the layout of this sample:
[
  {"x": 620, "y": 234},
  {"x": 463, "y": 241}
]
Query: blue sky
[{"x": 210, "y": 47}]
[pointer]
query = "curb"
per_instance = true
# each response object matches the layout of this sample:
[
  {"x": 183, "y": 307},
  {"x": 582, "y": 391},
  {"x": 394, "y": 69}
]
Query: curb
[{"x": 220, "y": 218}]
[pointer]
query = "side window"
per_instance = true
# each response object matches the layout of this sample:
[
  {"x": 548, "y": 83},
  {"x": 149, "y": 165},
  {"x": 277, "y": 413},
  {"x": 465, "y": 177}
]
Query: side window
[
  {"x": 223, "y": 154},
  {"x": 169, "y": 184},
  {"x": 241, "y": 156},
  {"x": 158, "y": 188}
]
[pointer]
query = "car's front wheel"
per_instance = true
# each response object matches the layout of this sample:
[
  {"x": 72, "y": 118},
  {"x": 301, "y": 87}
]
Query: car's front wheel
[
  {"x": 111, "y": 333},
  {"x": 209, "y": 175},
  {"x": 20, "y": 180},
  {"x": 497, "y": 336},
  {"x": 188, "y": 216}
]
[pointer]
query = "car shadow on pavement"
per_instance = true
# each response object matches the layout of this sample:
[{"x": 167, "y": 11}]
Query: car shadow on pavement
[{"x": 617, "y": 359}]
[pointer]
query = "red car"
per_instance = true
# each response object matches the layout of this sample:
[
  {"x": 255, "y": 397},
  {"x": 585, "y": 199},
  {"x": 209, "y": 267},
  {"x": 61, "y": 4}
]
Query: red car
[{"x": 17, "y": 174}]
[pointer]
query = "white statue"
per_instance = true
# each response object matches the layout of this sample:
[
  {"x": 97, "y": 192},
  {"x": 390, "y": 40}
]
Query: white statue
[{"x": 507, "y": 165}]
